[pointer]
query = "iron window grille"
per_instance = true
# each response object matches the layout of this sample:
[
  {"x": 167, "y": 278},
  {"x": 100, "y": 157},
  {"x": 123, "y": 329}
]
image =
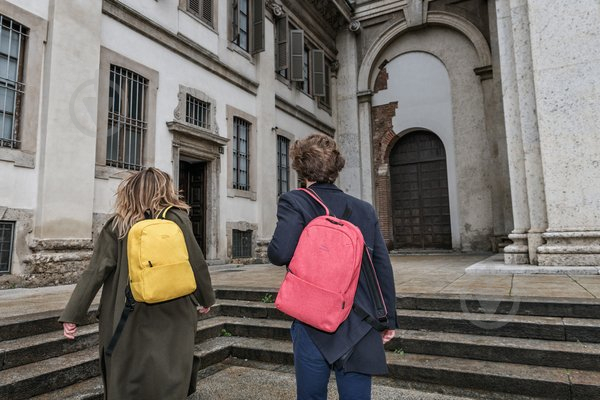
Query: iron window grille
[
  {"x": 283, "y": 165},
  {"x": 197, "y": 112},
  {"x": 242, "y": 244},
  {"x": 127, "y": 119},
  {"x": 203, "y": 9},
  {"x": 7, "y": 232},
  {"x": 241, "y": 154},
  {"x": 12, "y": 54}
]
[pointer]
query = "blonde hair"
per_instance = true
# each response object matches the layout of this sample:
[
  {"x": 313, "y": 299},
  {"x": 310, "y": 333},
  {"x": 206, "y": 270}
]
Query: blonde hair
[{"x": 149, "y": 189}]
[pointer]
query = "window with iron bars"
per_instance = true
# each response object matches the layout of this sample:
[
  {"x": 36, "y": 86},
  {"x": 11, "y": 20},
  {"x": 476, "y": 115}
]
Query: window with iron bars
[
  {"x": 12, "y": 54},
  {"x": 203, "y": 9},
  {"x": 241, "y": 154},
  {"x": 283, "y": 165},
  {"x": 197, "y": 112},
  {"x": 7, "y": 231},
  {"x": 241, "y": 244},
  {"x": 127, "y": 119}
]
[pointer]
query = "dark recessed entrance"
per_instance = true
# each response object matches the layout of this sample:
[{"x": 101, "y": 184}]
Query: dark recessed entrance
[
  {"x": 420, "y": 206},
  {"x": 192, "y": 186}
]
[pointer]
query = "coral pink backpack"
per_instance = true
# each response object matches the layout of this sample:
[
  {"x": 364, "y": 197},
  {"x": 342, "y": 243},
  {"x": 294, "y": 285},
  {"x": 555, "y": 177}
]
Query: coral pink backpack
[{"x": 323, "y": 274}]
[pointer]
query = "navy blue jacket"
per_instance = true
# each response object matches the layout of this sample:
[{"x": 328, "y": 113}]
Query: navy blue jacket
[{"x": 296, "y": 209}]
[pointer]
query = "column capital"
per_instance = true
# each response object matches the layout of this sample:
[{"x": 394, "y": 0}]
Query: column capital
[{"x": 364, "y": 96}]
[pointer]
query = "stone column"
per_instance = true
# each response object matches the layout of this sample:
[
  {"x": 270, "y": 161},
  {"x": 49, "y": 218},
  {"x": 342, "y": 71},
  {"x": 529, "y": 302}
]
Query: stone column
[
  {"x": 566, "y": 71},
  {"x": 529, "y": 127},
  {"x": 266, "y": 141},
  {"x": 366, "y": 146},
  {"x": 63, "y": 221},
  {"x": 348, "y": 136},
  {"x": 516, "y": 253}
]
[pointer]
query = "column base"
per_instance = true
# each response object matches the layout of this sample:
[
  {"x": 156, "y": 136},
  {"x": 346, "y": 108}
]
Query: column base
[
  {"x": 570, "y": 249},
  {"x": 518, "y": 252},
  {"x": 56, "y": 261}
]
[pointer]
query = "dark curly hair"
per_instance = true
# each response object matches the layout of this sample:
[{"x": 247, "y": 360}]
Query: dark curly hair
[{"x": 317, "y": 158}]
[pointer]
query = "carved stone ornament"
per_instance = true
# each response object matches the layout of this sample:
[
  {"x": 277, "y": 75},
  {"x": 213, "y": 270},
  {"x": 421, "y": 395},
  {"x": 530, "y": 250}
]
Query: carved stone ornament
[
  {"x": 276, "y": 8},
  {"x": 354, "y": 25}
]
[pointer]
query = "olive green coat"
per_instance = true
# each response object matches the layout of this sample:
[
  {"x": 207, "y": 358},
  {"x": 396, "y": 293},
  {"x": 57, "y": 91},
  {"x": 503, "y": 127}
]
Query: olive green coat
[{"x": 154, "y": 357}]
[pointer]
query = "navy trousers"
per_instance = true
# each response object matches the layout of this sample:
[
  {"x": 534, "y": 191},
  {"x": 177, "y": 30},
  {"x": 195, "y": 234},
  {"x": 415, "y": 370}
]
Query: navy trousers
[{"x": 312, "y": 372}]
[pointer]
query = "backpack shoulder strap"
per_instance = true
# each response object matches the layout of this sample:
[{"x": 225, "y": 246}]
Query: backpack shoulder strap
[
  {"x": 315, "y": 196},
  {"x": 163, "y": 214}
]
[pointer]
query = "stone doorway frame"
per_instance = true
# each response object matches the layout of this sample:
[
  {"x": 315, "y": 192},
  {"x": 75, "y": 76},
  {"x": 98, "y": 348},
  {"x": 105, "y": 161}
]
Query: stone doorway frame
[{"x": 205, "y": 147}]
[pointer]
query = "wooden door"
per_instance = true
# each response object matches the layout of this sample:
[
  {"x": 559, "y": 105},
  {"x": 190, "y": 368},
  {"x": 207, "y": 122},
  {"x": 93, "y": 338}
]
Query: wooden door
[
  {"x": 192, "y": 185},
  {"x": 420, "y": 206}
]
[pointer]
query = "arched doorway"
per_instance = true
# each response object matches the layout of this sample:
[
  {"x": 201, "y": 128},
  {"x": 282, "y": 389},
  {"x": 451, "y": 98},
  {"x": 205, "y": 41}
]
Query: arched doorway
[{"x": 419, "y": 188}]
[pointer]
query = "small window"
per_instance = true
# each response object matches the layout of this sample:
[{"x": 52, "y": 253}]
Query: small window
[
  {"x": 241, "y": 154},
  {"x": 242, "y": 244},
  {"x": 283, "y": 165},
  {"x": 248, "y": 25},
  {"x": 305, "y": 84},
  {"x": 12, "y": 50},
  {"x": 127, "y": 119},
  {"x": 241, "y": 23},
  {"x": 203, "y": 9},
  {"x": 281, "y": 46},
  {"x": 197, "y": 112},
  {"x": 7, "y": 231}
]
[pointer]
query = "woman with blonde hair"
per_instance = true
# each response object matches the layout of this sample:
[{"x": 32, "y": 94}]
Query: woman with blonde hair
[{"x": 154, "y": 355}]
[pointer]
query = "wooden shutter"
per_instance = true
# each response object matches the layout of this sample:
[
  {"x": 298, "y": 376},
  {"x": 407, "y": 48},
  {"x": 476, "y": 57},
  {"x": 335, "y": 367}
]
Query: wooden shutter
[
  {"x": 282, "y": 43},
  {"x": 318, "y": 73},
  {"x": 207, "y": 11},
  {"x": 258, "y": 26},
  {"x": 235, "y": 17},
  {"x": 297, "y": 55}
]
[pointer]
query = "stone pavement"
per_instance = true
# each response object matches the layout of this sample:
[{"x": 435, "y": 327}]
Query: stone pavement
[
  {"x": 239, "y": 382},
  {"x": 413, "y": 274},
  {"x": 437, "y": 274}
]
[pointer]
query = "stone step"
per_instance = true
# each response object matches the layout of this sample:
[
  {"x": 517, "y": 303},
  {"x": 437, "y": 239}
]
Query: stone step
[
  {"x": 527, "y": 306},
  {"x": 250, "y": 309},
  {"x": 531, "y": 306},
  {"x": 90, "y": 389},
  {"x": 514, "y": 379},
  {"x": 517, "y": 326},
  {"x": 35, "y": 348},
  {"x": 29, "y": 380},
  {"x": 511, "y": 379},
  {"x": 59, "y": 374},
  {"x": 570, "y": 355},
  {"x": 35, "y": 324}
]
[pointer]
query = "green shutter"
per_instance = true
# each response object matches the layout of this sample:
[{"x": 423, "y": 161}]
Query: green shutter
[
  {"x": 282, "y": 43},
  {"x": 297, "y": 55},
  {"x": 258, "y": 26},
  {"x": 318, "y": 73}
]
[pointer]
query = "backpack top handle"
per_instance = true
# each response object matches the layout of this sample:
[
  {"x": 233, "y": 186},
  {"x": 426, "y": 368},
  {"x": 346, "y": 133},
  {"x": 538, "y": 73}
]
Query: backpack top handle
[
  {"x": 317, "y": 198},
  {"x": 163, "y": 214}
]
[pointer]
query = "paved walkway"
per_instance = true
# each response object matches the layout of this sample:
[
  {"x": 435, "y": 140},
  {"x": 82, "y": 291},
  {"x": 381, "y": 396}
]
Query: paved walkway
[
  {"x": 440, "y": 274},
  {"x": 413, "y": 274}
]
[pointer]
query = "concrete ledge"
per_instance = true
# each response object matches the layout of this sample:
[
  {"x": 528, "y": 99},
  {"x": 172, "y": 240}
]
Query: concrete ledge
[{"x": 495, "y": 265}]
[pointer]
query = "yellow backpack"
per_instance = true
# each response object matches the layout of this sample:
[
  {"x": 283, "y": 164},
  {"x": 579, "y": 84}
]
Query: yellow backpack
[{"x": 159, "y": 266}]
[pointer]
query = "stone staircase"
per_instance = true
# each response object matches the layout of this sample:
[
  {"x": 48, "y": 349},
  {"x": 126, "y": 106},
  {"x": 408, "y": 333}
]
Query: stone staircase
[{"x": 488, "y": 348}]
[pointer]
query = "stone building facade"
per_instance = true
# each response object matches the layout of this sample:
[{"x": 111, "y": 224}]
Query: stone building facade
[{"x": 471, "y": 125}]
